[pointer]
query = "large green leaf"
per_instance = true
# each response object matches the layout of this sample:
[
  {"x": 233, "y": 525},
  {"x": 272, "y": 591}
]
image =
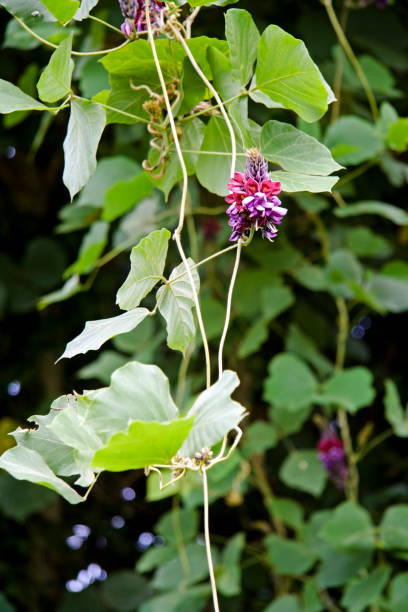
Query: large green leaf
[
  {"x": 13, "y": 99},
  {"x": 352, "y": 389},
  {"x": 63, "y": 10},
  {"x": 97, "y": 332},
  {"x": 295, "y": 151},
  {"x": 229, "y": 579},
  {"x": 26, "y": 464},
  {"x": 353, "y": 140},
  {"x": 137, "y": 392},
  {"x": 147, "y": 261},
  {"x": 349, "y": 527},
  {"x": 287, "y": 556},
  {"x": 242, "y": 36},
  {"x": 92, "y": 246},
  {"x": 215, "y": 415},
  {"x": 295, "y": 181},
  {"x": 290, "y": 384},
  {"x": 303, "y": 470},
  {"x": 85, "y": 9},
  {"x": 25, "y": 8},
  {"x": 55, "y": 81},
  {"x": 109, "y": 172},
  {"x": 145, "y": 443},
  {"x": 85, "y": 127},
  {"x": 373, "y": 207},
  {"x": 394, "y": 411},
  {"x": 284, "y": 603},
  {"x": 122, "y": 196},
  {"x": 175, "y": 302},
  {"x": 214, "y": 171},
  {"x": 362, "y": 592},
  {"x": 394, "y": 527},
  {"x": 286, "y": 73}
]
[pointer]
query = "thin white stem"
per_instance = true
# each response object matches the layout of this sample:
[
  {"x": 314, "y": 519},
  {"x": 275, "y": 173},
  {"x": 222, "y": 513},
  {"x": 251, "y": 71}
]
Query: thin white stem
[
  {"x": 177, "y": 232},
  {"x": 208, "y": 543},
  {"x": 204, "y": 261},
  {"x": 54, "y": 46},
  {"x": 189, "y": 21},
  {"x": 214, "y": 93},
  {"x": 228, "y": 312}
]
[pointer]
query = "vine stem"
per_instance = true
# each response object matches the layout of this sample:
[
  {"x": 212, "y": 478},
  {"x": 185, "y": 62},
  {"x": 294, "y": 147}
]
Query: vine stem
[
  {"x": 338, "y": 75},
  {"x": 328, "y": 5},
  {"x": 353, "y": 479},
  {"x": 214, "y": 93},
  {"x": 53, "y": 46},
  {"x": 208, "y": 542},
  {"x": 177, "y": 232},
  {"x": 228, "y": 311}
]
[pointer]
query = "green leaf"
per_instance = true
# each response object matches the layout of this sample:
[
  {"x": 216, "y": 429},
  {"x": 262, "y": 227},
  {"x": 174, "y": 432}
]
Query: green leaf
[
  {"x": 137, "y": 392},
  {"x": 5, "y": 605},
  {"x": 338, "y": 567},
  {"x": 19, "y": 500},
  {"x": 299, "y": 343},
  {"x": 342, "y": 269},
  {"x": 390, "y": 292},
  {"x": 303, "y": 470},
  {"x": 122, "y": 196},
  {"x": 63, "y": 10},
  {"x": 399, "y": 592},
  {"x": 85, "y": 9},
  {"x": 147, "y": 261},
  {"x": 85, "y": 127},
  {"x": 123, "y": 98},
  {"x": 253, "y": 338},
  {"x": 55, "y": 81},
  {"x": 109, "y": 171},
  {"x": 349, "y": 527},
  {"x": 352, "y": 389},
  {"x": 284, "y": 603},
  {"x": 394, "y": 412},
  {"x": 155, "y": 557},
  {"x": 214, "y": 171},
  {"x": 13, "y": 99},
  {"x": 398, "y": 135},
  {"x": 364, "y": 591},
  {"x": 372, "y": 207},
  {"x": 215, "y": 415},
  {"x": 353, "y": 140},
  {"x": 175, "y": 302},
  {"x": 171, "y": 572},
  {"x": 70, "y": 288},
  {"x": 287, "y": 511},
  {"x": 259, "y": 436},
  {"x": 366, "y": 243},
  {"x": 92, "y": 246},
  {"x": 181, "y": 520},
  {"x": 295, "y": 151},
  {"x": 145, "y": 443},
  {"x": 294, "y": 81},
  {"x": 97, "y": 332},
  {"x": 242, "y": 36},
  {"x": 289, "y": 557},
  {"x": 193, "y": 599},
  {"x": 125, "y": 591},
  {"x": 394, "y": 527},
  {"x": 229, "y": 579},
  {"x": 25, "y": 8},
  {"x": 275, "y": 300},
  {"x": 294, "y": 181},
  {"x": 290, "y": 383},
  {"x": 26, "y": 464}
]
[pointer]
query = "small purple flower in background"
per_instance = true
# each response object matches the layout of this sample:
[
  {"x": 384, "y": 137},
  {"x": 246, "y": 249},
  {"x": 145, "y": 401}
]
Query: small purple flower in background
[
  {"x": 210, "y": 228},
  {"x": 135, "y": 13},
  {"x": 333, "y": 456},
  {"x": 379, "y": 3},
  {"x": 253, "y": 201}
]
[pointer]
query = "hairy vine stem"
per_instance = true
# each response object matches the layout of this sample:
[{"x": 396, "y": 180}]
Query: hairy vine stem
[
  {"x": 228, "y": 311},
  {"x": 177, "y": 232},
  {"x": 208, "y": 542}
]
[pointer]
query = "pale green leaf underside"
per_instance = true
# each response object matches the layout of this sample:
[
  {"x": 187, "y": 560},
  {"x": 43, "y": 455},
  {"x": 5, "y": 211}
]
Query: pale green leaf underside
[
  {"x": 13, "y": 99},
  {"x": 215, "y": 414},
  {"x": 63, "y": 10},
  {"x": 26, "y": 464},
  {"x": 97, "y": 332},
  {"x": 294, "y": 181},
  {"x": 145, "y": 443},
  {"x": 85, "y": 127},
  {"x": 147, "y": 262},
  {"x": 373, "y": 207},
  {"x": 175, "y": 302}
]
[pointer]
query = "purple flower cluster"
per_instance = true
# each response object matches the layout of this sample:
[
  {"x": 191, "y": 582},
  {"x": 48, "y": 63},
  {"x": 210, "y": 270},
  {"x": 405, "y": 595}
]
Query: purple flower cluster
[
  {"x": 379, "y": 3},
  {"x": 134, "y": 12},
  {"x": 253, "y": 201},
  {"x": 333, "y": 457}
]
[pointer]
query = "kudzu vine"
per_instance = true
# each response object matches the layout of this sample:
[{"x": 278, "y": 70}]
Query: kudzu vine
[{"x": 191, "y": 95}]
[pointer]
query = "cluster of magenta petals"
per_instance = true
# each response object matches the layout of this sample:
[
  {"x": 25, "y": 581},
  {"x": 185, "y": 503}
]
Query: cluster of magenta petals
[
  {"x": 333, "y": 457},
  {"x": 135, "y": 13},
  {"x": 253, "y": 204}
]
